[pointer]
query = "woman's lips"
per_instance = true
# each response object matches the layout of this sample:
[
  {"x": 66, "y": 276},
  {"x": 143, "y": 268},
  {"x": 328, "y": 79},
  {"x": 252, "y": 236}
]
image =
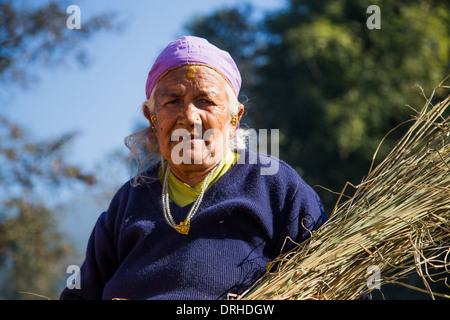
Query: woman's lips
[{"x": 190, "y": 137}]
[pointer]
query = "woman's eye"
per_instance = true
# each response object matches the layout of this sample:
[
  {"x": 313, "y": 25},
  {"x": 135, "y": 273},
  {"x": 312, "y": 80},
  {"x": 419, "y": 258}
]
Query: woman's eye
[
  {"x": 171, "y": 102},
  {"x": 206, "y": 101}
]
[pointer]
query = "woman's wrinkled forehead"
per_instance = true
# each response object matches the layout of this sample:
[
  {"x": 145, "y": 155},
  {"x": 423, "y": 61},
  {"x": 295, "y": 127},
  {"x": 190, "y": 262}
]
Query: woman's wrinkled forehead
[{"x": 201, "y": 80}]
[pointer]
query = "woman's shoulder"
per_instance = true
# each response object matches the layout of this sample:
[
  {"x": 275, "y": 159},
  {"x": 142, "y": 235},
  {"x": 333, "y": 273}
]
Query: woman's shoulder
[
  {"x": 145, "y": 178},
  {"x": 136, "y": 185}
]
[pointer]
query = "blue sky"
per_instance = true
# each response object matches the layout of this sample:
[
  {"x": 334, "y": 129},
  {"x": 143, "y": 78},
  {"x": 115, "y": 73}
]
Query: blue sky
[{"x": 103, "y": 101}]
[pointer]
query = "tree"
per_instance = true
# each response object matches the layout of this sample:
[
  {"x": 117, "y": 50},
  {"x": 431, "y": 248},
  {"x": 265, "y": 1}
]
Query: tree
[
  {"x": 236, "y": 31},
  {"x": 331, "y": 85},
  {"x": 335, "y": 87},
  {"x": 38, "y": 35},
  {"x": 32, "y": 248}
]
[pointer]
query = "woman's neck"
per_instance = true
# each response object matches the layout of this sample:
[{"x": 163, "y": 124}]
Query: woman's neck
[
  {"x": 191, "y": 178},
  {"x": 193, "y": 174}
]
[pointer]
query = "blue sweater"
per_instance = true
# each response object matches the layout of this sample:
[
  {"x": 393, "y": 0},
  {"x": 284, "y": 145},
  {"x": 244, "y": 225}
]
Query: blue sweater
[{"x": 241, "y": 225}]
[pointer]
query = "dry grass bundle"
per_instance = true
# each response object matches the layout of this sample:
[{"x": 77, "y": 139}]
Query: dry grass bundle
[{"x": 397, "y": 222}]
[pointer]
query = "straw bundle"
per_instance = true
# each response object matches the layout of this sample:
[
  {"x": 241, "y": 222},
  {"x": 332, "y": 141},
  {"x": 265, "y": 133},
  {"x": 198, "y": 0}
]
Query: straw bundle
[{"x": 397, "y": 222}]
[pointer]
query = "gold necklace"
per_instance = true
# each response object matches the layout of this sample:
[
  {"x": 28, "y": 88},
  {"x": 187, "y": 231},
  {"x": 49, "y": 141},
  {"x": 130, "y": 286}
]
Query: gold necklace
[{"x": 184, "y": 226}]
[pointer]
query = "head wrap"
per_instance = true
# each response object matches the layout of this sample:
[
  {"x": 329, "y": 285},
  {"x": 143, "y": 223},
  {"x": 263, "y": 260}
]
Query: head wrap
[{"x": 189, "y": 50}]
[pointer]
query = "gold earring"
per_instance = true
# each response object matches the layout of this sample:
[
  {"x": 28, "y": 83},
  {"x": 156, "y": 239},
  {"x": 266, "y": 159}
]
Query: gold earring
[
  {"x": 234, "y": 120},
  {"x": 152, "y": 124}
]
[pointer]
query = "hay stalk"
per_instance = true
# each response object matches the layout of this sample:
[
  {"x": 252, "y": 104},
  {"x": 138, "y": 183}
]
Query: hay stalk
[{"x": 397, "y": 222}]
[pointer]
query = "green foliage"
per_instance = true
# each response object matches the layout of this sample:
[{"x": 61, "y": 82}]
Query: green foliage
[
  {"x": 29, "y": 165},
  {"x": 343, "y": 86},
  {"x": 234, "y": 30},
  {"x": 31, "y": 250},
  {"x": 332, "y": 86}
]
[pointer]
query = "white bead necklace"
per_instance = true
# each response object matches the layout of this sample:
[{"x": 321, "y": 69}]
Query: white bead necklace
[{"x": 184, "y": 226}]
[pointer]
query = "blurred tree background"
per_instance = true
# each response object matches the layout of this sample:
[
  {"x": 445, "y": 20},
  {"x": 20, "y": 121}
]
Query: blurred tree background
[
  {"x": 313, "y": 69},
  {"x": 331, "y": 85},
  {"x": 32, "y": 247}
]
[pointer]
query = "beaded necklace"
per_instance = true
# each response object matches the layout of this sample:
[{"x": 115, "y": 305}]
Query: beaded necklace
[{"x": 184, "y": 226}]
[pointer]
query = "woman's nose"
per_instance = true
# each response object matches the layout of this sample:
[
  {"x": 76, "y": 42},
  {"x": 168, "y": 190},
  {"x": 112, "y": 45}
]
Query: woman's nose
[{"x": 189, "y": 115}]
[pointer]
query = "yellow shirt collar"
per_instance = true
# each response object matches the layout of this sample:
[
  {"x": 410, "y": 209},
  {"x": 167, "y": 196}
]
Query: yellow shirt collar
[{"x": 183, "y": 194}]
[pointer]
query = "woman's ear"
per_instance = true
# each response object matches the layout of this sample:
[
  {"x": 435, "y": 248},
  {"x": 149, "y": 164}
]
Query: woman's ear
[
  {"x": 146, "y": 111},
  {"x": 235, "y": 120},
  {"x": 241, "y": 111},
  {"x": 238, "y": 116}
]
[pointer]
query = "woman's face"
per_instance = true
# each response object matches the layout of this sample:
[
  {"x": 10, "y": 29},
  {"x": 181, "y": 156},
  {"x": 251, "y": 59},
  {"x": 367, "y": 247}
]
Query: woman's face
[{"x": 192, "y": 117}]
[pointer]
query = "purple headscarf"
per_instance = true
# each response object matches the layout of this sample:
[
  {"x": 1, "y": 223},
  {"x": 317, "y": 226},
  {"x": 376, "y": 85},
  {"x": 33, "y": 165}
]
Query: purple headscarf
[{"x": 189, "y": 50}]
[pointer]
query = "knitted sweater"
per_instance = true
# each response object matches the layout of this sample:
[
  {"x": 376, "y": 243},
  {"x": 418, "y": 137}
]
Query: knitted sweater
[{"x": 241, "y": 225}]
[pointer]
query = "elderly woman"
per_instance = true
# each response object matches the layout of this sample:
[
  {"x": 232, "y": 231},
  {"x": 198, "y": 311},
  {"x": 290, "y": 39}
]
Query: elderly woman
[{"x": 202, "y": 221}]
